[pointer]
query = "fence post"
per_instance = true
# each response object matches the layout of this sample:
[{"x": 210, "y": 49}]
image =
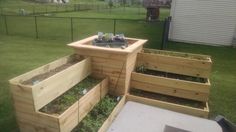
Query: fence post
[
  {"x": 36, "y": 27},
  {"x": 46, "y": 9},
  {"x": 71, "y": 29},
  {"x": 6, "y": 26},
  {"x": 165, "y": 34},
  {"x": 114, "y": 26}
]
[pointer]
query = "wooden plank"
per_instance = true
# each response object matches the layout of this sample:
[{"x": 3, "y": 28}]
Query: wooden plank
[
  {"x": 170, "y": 91},
  {"x": 113, "y": 115},
  {"x": 119, "y": 57},
  {"x": 174, "y": 83},
  {"x": 41, "y": 70},
  {"x": 175, "y": 65},
  {"x": 170, "y": 106},
  {"x": 104, "y": 87},
  {"x": 49, "y": 89},
  {"x": 29, "y": 127},
  {"x": 107, "y": 62},
  {"x": 70, "y": 118},
  {"x": 155, "y": 51},
  {"x": 36, "y": 119},
  {"x": 21, "y": 91},
  {"x": 119, "y": 72},
  {"x": 88, "y": 101},
  {"x": 82, "y": 45}
]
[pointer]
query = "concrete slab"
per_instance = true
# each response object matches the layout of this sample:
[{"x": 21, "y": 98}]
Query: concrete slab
[{"x": 136, "y": 117}]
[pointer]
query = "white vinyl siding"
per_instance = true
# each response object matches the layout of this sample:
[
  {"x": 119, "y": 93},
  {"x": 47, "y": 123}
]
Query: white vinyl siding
[{"x": 203, "y": 21}]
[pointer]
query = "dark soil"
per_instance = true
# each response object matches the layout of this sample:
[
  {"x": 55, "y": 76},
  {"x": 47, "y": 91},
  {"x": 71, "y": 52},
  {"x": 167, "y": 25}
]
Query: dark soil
[
  {"x": 63, "y": 102},
  {"x": 172, "y": 75},
  {"x": 41, "y": 77},
  {"x": 96, "y": 117},
  {"x": 169, "y": 53},
  {"x": 166, "y": 98}
]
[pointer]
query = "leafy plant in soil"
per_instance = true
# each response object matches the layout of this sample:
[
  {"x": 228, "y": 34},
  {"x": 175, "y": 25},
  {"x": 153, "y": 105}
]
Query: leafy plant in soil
[
  {"x": 166, "y": 98},
  {"x": 95, "y": 118},
  {"x": 63, "y": 102}
]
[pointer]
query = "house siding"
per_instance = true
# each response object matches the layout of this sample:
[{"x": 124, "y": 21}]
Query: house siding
[{"x": 203, "y": 21}]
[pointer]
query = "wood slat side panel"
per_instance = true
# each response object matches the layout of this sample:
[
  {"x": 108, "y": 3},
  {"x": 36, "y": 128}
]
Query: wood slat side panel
[
  {"x": 56, "y": 85},
  {"x": 113, "y": 115},
  {"x": 175, "y": 65},
  {"x": 155, "y": 51},
  {"x": 38, "y": 119},
  {"x": 174, "y": 83},
  {"x": 88, "y": 101},
  {"x": 170, "y": 106},
  {"x": 119, "y": 57},
  {"x": 70, "y": 118},
  {"x": 21, "y": 92},
  {"x": 109, "y": 72},
  {"x": 111, "y": 63},
  {"x": 41, "y": 70},
  {"x": 29, "y": 127},
  {"x": 170, "y": 91}
]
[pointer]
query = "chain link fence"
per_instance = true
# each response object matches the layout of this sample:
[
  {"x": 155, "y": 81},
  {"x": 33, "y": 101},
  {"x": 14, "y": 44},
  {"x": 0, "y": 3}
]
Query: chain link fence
[{"x": 76, "y": 28}]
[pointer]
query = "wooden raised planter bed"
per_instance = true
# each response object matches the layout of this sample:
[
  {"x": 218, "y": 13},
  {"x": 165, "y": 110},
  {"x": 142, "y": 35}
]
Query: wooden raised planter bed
[
  {"x": 76, "y": 112},
  {"x": 51, "y": 80},
  {"x": 200, "y": 112},
  {"x": 107, "y": 122},
  {"x": 185, "y": 77},
  {"x": 37, "y": 88},
  {"x": 176, "y": 62}
]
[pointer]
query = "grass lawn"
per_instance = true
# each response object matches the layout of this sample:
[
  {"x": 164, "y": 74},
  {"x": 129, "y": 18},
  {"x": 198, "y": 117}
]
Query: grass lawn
[{"x": 20, "y": 54}]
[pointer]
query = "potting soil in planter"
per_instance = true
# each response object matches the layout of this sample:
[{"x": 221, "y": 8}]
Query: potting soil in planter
[
  {"x": 39, "y": 78},
  {"x": 63, "y": 102},
  {"x": 95, "y": 118},
  {"x": 171, "y": 75},
  {"x": 166, "y": 98}
]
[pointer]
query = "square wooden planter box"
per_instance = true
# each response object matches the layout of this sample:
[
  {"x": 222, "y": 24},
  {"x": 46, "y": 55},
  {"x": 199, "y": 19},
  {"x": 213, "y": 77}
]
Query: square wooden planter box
[
  {"x": 186, "y": 66},
  {"x": 66, "y": 121}
]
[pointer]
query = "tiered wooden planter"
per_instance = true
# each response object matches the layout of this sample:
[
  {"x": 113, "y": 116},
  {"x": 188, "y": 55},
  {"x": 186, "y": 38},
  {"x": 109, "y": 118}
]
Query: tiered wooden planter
[
  {"x": 28, "y": 99},
  {"x": 118, "y": 66},
  {"x": 178, "y": 63}
]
